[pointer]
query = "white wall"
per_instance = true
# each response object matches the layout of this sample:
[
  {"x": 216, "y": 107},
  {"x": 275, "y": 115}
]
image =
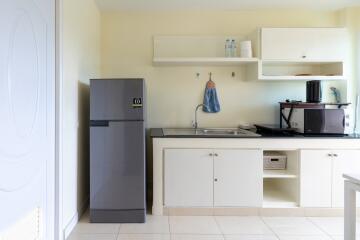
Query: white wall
[
  {"x": 350, "y": 18},
  {"x": 80, "y": 62},
  {"x": 173, "y": 92}
]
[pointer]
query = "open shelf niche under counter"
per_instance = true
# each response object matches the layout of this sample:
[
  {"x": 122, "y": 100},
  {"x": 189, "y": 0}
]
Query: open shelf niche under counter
[{"x": 281, "y": 186}]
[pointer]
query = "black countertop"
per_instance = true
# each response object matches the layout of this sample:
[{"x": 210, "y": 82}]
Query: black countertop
[{"x": 158, "y": 133}]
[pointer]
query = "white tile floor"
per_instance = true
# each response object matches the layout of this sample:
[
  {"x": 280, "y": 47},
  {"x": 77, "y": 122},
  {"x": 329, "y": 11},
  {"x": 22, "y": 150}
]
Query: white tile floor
[{"x": 214, "y": 228}]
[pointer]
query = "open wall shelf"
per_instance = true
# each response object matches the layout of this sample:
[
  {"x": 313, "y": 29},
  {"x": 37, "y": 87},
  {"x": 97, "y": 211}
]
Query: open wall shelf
[
  {"x": 301, "y": 70},
  {"x": 196, "y": 51},
  {"x": 202, "y": 61},
  {"x": 210, "y": 51}
]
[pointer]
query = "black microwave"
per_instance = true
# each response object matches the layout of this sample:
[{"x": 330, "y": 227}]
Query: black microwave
[{"x": 320, "y": 121}]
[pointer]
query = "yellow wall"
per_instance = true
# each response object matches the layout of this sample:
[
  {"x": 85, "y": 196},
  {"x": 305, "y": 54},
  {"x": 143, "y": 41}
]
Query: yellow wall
[
  {"x": 350, "y": 18},
  {"x": 81, "y": 61},
  {"x": 173, "y": 92}
]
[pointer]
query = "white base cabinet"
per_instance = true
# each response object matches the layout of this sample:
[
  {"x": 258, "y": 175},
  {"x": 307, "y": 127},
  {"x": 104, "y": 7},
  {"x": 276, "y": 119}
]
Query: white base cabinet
[
  {"x": 212, "y": 177},
  {"x": 322, "y": 182},
  {"x": 234, "y": 177},
  {"x": 315, "y": 178},
  {"x": 188, "y": 177},
  {"x": 238, "y": 178},
  {"x": 344, "y": 161}
]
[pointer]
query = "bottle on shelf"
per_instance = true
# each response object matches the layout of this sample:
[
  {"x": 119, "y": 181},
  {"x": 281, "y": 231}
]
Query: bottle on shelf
[
  {"x": 228, "y": 48},
  {"x": 233, "y": 48}
]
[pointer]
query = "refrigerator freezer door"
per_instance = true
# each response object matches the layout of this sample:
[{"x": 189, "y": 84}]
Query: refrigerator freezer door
[
  {"x": 117, "y": 166},
  {"x": 116, "y": 99}
]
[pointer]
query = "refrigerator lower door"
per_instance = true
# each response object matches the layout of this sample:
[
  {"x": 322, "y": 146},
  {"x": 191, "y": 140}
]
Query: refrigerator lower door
[{"x": 117, "y": 170}]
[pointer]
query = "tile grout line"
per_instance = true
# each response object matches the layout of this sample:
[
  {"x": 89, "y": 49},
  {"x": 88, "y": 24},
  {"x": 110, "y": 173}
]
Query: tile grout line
[
  {"x": 118, "y": 232},
  {"x": 170, "y": 235},
  {"x": 267, "y": 225},
  {"x": 327, "y": 234},
  {"x": 218, "y": 225}
]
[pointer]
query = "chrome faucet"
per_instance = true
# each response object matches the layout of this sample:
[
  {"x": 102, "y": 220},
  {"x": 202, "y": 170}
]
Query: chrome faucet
[{"x": 195, "y": 123}]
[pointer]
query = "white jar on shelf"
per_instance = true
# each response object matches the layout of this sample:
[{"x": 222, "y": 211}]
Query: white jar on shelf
[{"x": 245, "y": 49}]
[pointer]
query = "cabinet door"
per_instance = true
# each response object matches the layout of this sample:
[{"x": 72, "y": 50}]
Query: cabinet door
[
  {"x": 188, "y": 177},
  {"x": 303, "y": 43},
  {"x": 238, "y": 178},
  {"x": 315, "y": 178},
  {"x": 344, "y": 161}
]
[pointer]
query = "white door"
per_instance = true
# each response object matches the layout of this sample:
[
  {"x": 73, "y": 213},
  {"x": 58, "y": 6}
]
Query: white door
[
  {"x": 27, "y": 110},
  {"x": 238, "y": 178},
  {"x": 188, "y": 177},
  {"x": 344, "y": 161},
  {"x": 315, "y": 178}
]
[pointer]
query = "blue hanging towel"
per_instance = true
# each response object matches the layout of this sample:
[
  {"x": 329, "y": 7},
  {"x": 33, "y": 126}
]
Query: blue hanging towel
[{"x": 211, "y": 101}]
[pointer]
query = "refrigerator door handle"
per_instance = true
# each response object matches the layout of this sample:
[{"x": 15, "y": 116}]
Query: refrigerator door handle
[{"x": 99, "y": 123}]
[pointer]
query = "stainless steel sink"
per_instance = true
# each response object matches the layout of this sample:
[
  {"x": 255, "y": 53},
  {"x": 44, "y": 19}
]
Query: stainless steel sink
[
  {"x": 209, "y": 132},
  {"x": 220, "y": 131}
]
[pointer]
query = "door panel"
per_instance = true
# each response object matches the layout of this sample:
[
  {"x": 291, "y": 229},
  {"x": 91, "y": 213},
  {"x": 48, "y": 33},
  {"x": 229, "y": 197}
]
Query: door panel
[
  {"x": 27, "y": 110},
  {"x": 116, "y": 99},
  {"x": 344, "y": 161},
  {"x": 117, "y": 166},
  {"x": 188, "y": 178},
  {"x": 315, "y": 178},
  {"x": 238, "y": 178}
]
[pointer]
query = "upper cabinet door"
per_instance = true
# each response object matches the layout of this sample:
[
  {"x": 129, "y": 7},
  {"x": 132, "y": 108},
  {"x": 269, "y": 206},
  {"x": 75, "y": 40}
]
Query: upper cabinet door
[
  {"x": 238, "y": 178},
  {"x": 188, "y": 180},
  {"x": 344, "y": 161},
  {"x": 311, "y": 44}
]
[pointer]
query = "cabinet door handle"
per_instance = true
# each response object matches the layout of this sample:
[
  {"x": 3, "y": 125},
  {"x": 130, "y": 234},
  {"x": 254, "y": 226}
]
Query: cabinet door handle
[
  {"x": 216, "y": 155},
  {"x": 215, "y": 179},
  {"x": 210, "y": 154},
  {"x": 330, "y": 155},
  {"x": 335, "y": 155},
  {"x": 303, "y": 56}
]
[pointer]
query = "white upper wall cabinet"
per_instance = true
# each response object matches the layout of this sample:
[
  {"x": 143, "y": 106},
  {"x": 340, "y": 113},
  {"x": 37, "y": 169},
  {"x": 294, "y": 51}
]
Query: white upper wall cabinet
[{"x": 297, "y": 44}]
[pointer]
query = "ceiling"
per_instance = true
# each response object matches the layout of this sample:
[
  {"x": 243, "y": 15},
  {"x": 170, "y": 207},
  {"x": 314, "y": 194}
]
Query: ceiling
[{"x": 110, "y": 5}]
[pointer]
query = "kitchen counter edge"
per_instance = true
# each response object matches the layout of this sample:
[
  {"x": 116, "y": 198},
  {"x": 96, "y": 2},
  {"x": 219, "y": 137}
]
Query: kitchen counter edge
[{"x": 158, "y": 133}]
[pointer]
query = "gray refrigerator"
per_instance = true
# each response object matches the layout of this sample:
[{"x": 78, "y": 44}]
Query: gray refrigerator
[{"x": 117, "y": 151}]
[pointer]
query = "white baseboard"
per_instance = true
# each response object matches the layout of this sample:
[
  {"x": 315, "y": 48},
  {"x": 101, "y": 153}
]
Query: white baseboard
[
  {"x": 84, "y": 206},
  {"x": 71, "y": 225},
  {"x": 75, "y": 219}
]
